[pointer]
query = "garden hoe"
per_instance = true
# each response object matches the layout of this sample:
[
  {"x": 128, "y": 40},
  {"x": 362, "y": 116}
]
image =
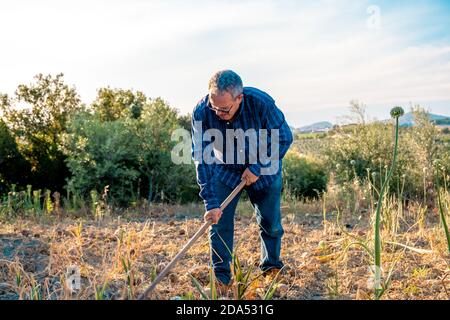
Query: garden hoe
[{"x": 191, "y": 241}]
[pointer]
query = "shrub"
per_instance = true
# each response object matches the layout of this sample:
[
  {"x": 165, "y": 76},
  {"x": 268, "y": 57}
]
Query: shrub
[
  {"x": 14, "y": 169},
  {"x": 38, "y": 127},
  {"x": 130, "y": 155},
  {"x": 100, "y": 154},
  {"x": 303, "y": 177},
  {"x": 368, "y": 148}
]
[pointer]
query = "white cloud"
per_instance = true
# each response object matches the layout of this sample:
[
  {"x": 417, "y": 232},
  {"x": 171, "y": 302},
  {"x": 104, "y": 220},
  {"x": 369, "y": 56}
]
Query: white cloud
[{"x": 314, "y": 56}]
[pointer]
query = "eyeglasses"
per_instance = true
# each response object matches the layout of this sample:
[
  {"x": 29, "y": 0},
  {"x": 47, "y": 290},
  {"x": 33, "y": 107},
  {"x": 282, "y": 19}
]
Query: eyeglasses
[{"x": 226, "y": 111}]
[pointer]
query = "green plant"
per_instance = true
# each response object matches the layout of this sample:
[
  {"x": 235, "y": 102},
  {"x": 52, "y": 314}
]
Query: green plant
[
  {"x": 379, "y": 286},
  {"x": 153, "y": 274},
  {"x": 370, "y": 146},
  {"x": 28, "y": 198},
  {"x": 39, "y": 127},
  {"x": 48, "y": 202},
  {"x": 131, "y": 155},
  {"x": 18, "y": 277},
  {"x": 333, "y": 286},
  {"x": 188, "y": 296},
  {"x": 10, "y": 204},
  {"x": 375, "y": 279},
  {"x": 396, "y": 112},
  {"x": 14, "y": 169},
  {"x": 37, "y": 201},
  {"x": 272, "y": 287},
  {"x": 441, "y": 210},
  {"x": 100, "y": 291},
  {"x": 242, "y": 278},
  {"x": 303, "y": 177},
  {"x": 212, "y": 283},
  {"x": 35, "y": 290},
  {"x": 212, "y": 286},
  {"x": 94, "y": 202},
  {"x": 126, "y": 264}
]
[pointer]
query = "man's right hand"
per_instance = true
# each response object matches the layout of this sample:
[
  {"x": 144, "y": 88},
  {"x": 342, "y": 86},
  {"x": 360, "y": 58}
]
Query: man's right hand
[{"x": 213, "y": 215}]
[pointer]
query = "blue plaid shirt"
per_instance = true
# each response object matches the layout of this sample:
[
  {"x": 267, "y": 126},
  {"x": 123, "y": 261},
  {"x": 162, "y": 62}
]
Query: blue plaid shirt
[{"x": 257, "y": 111}]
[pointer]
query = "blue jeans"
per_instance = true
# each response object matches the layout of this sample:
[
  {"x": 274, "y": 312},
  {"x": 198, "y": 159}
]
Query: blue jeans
[{"x": 266, "y": 203}]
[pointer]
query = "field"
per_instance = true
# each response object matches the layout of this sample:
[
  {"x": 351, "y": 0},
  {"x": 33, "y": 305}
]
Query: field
[
  {"x": 93, "y": 207},
  {"x": 119, "y": 256}
]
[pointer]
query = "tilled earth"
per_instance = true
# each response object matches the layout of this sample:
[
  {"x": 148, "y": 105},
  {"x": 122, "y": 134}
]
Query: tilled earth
[{"x": 117, "y": 259}]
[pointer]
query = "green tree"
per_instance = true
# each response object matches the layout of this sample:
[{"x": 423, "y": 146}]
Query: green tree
[
  {"x": 14, "y": 169},
  {"x": 101, "y": 154},
  {"x": 160, "y": 175},
  {"x": 185, "y": 121},
  {"x": 131, "y": 156},
  {"x": 113, "y": 104},
  {"x": 38, "y": 115}
]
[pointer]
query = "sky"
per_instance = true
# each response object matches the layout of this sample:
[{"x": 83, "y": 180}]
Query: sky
[{"x": 312, "y": 57}]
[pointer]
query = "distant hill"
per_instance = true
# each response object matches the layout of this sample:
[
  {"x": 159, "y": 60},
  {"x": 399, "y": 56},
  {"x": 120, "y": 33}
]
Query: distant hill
[
  {"x": 316, "y": 127},
  {"x": 407, "y": 120}
]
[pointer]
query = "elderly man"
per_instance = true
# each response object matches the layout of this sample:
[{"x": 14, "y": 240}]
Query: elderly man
[{"x": 230, "y": 107}]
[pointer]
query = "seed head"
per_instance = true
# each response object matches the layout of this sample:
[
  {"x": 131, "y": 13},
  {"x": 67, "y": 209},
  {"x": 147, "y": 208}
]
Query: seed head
[{"x": 397, "y": 112}]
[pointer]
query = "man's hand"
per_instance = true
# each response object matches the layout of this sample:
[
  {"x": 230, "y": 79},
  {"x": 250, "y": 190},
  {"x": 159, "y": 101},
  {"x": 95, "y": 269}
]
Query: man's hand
[
  {"x": 249, "y": 177},
  {"x": 213, "y": 215}
]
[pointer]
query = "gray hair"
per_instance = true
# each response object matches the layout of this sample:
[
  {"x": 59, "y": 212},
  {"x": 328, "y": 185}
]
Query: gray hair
[{"x": 226, "y": 81}]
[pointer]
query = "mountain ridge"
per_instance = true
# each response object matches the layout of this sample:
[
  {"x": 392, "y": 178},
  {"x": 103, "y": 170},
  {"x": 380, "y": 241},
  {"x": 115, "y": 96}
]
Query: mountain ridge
[{"x": 406, "y": 120}]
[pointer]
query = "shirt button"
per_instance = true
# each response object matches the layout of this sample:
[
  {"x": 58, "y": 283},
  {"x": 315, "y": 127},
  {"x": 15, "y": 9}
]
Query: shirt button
[{"x": 240, "y": 150}]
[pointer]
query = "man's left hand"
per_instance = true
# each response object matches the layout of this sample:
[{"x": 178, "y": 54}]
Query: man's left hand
[{"x": 249, "y": 177}]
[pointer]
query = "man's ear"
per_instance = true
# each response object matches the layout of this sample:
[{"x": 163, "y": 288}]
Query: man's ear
[{"x": 240, "y": 97}]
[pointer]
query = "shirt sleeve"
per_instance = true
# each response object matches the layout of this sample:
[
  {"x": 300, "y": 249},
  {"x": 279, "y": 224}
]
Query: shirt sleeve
[
  {"x": 274, "y": 119},
  {"x": 205, "y": 172}
]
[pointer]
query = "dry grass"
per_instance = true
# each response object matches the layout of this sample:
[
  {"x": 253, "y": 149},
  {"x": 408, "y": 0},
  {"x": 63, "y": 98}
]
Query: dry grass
[{"x": 118, "y": 257}]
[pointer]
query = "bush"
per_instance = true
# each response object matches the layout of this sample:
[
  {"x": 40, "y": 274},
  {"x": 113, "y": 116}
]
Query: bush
[
  {"x": 303, "y": 177},
  {"x": 114, "y": 104},
  {"x": 130, "y": 155},
  {"x": 14, "y": 169},
  {"x": 39, "y": 126},
  {"x": 101, "y": 154},
  {"x": 366, "y": 152}
]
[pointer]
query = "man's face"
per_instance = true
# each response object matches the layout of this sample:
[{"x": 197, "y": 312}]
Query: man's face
[{"x": 224, "y": 105}]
